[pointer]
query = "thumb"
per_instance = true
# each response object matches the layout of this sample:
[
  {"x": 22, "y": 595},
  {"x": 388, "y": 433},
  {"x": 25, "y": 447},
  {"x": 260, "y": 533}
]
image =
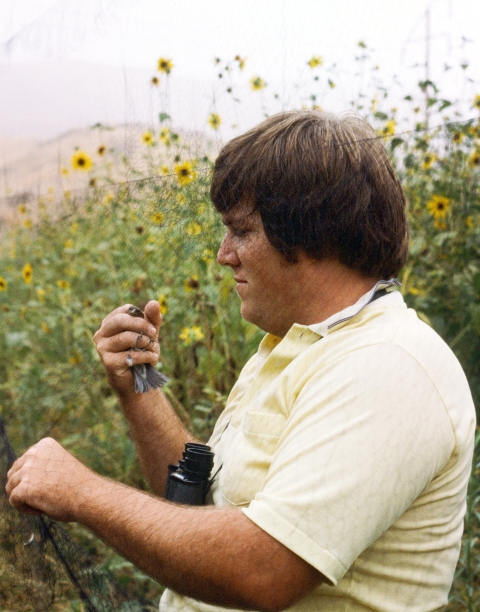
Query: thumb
[{"x": 152, "y": 314}]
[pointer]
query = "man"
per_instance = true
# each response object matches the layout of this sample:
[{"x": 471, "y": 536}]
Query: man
[{"x": 345, "y": 447}]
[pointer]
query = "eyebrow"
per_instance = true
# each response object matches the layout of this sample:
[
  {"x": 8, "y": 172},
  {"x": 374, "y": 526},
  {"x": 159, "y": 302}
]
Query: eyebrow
[
  {"x": 235, "y": 218},
  {"x": 232, "y": 221}
]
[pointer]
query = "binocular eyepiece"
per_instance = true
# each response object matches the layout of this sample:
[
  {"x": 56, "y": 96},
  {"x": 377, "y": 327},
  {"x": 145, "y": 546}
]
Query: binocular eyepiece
[{"x": 189, "y": 481}]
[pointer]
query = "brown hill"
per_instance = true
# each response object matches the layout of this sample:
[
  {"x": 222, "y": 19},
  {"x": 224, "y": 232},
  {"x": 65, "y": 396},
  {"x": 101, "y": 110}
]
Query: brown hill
[{"x": 31, "y": 168}]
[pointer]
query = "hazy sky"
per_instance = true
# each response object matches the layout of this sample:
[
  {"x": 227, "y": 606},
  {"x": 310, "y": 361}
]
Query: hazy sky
[{"x": 99, "y": 55}]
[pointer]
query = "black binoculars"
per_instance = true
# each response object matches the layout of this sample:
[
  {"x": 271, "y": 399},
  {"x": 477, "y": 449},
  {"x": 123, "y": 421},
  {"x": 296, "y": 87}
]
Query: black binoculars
[{"x": 189, "y": 481}]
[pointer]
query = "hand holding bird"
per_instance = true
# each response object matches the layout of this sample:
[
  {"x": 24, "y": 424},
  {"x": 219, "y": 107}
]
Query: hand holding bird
[
  {"x": 146, "y": 377},
  {"x": 127, "y": 343}
]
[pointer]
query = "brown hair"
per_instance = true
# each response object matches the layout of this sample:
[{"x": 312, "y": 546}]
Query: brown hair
[{"x": 322, "y": 185}]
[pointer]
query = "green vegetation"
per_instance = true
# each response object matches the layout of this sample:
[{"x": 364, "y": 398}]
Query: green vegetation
[{"x": 69, "y": 262}]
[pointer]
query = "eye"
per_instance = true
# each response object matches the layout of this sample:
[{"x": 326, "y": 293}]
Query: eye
[{"x": 239, "y": 233}]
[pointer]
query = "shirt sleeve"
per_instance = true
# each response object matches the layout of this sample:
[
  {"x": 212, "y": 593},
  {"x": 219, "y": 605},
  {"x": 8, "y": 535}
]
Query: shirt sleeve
[{"x": 365, "y": 436}]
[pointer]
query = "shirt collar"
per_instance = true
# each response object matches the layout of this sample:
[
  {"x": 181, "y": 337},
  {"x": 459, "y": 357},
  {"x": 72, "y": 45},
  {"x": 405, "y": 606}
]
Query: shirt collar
[{"x": 325, "y": 327}]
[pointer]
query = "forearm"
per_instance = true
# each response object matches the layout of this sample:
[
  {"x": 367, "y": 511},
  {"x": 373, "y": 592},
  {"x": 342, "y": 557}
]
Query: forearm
[
  {"x": 158, "y": 434},
  {"x": 212, "y": 554},
  {"x": 215, "y": 555}
]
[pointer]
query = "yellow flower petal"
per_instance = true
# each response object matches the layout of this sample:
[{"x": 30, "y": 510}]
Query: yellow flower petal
[
  {"x": 27, "y": 273},
  {"x": 81, "y": 161},
  {"x": 165, "y": 65}
]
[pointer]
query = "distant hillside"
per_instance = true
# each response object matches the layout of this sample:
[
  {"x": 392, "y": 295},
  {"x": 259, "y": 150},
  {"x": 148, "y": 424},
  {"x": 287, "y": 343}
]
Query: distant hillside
[{"x": 29, "y": 168}]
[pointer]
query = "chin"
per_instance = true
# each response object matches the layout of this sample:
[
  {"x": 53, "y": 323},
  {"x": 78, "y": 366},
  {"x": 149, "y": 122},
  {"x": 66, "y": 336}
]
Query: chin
[{"x": 253, "y": 317}]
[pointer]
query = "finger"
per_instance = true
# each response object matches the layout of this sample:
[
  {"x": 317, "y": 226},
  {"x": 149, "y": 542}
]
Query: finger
[
  {"x": 123, "y": 322},
  {"x": 153, "y": 315},
  {"x": 126, "y": 340},
  {"x": 16, "y": 465},
  {"x": 122, "y": 362},
  {"x": 17, "y": 496},
  {"x": 12, "y": 482},
  {"x": 119, "y": 310}
]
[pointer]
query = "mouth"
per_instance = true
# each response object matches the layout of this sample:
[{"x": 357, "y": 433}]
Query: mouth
[{"x": 239, "y": 281}]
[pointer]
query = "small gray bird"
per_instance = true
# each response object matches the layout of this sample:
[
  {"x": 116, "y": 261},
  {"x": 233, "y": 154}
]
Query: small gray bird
[{"x": 146, "y": 377}]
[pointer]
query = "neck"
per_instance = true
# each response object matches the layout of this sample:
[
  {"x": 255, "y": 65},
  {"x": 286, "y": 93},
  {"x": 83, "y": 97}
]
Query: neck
[{"x": 323, "y": 289}]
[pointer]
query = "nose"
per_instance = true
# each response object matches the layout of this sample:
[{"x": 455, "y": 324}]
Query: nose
[{"x": 227, "y": 255}]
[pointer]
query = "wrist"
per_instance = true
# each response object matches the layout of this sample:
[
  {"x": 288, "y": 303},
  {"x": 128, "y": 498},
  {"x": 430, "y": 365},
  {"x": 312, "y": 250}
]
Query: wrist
[{"x": 92, "y": 497}]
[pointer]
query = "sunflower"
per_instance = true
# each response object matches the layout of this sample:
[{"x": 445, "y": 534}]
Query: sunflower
[
  {"x": 476, "y": 101},
  {"x": 191, "y": 334},
  {"x": 44, "y": 327},
  {"x": 63, "y": 284},
  {"x": 194, "y": 228},
  {"x": 185, "y": 173},
  {"x": 155, "y": 81},
  {"x": 389, "y": 128},
  {"x": 475, "y": 130},
  {"x": 241, "y": 61},
  {"x": 165, "y": 170},
  {"x": 101, "y": 150},
  {"x": 64, "y": 171},
  {"x": 457, "y": 137},
  {"x": 81, "y": 161},
  {"x": 474, "y": 159},
  {"x": 3, "y": 284},
  {"x": 428, "y": 160},
  {"x": 147, "y": 138},
  {"x": 257, "y": 83},
  {"x": 158, "y": 218},
  {"x": 22, "y": 209},
  {"x": 214, "y": 121},
  {"x": 317, "y": 60},
  {"x": 438, "y": 206},
  {"x": 27, "y": 273},
  {"x": 191, "y": 283},
  {"x": 162, "y": 301},
  {"x": 207, "y": 256},
  {"x": 165, "y": 65},
  {"x": 469, "y": 222}
]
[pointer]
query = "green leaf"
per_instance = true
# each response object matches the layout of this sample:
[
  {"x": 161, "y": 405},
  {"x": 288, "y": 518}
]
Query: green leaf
[
  {"x": 409, "y": 160},
  {"x": 395, "y": 142},
  {"x": 444, "y": 104},
  {"x": 163, "y": 117},
  {"x": 380, "y": 115}
]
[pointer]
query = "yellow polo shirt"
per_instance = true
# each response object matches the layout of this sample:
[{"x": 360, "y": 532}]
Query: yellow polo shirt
[{"x": 351, "y": 443}]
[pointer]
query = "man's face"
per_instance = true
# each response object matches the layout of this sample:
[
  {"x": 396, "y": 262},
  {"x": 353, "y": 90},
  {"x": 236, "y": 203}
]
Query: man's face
[{"x": 266, "y": 283}]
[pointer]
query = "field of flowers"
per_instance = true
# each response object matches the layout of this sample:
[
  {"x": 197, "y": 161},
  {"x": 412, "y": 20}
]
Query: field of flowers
[{"x": 71, "y": 259}]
